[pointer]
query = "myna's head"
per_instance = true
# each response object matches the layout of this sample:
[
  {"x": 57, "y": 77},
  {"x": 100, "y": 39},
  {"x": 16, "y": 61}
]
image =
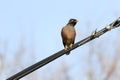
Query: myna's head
[{"x": 72, "y": 22}]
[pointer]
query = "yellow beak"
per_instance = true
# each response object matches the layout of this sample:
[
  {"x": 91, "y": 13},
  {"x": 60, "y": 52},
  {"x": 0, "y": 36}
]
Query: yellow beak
[{"x": 77, "y": 21}]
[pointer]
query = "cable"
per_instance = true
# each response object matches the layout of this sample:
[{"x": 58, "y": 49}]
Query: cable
[{"x": 45, "y": 61}]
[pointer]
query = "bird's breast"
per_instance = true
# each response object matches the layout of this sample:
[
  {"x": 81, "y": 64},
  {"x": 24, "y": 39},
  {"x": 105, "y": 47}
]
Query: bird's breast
[{"x": 70, "y": 32}]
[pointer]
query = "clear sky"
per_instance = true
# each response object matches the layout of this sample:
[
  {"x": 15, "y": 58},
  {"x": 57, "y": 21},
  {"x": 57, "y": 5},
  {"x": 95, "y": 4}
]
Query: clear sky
[{"x": 40, "y": 21}]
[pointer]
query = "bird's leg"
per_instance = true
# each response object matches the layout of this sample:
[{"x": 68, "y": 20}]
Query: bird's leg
[
  {"x": 71, "y": 45},
  {"x": 66, "y": 47}
]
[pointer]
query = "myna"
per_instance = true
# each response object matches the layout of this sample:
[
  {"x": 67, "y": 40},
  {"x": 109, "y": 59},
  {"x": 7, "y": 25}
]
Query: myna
[{"x": 68, "y": 34}]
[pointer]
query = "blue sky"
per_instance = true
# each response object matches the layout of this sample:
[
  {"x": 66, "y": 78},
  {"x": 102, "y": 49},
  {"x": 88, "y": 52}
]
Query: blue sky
[{"x": 40, "y": 21}]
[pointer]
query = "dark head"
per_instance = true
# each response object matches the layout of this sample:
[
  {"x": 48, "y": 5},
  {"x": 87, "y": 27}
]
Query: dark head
[{"x": 72, "y": 22}]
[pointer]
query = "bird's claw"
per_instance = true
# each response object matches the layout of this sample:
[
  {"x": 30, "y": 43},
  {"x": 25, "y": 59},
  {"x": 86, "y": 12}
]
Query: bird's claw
[
  {"x": 66, "y": 47},
  {"x": 71, "y": 45}
]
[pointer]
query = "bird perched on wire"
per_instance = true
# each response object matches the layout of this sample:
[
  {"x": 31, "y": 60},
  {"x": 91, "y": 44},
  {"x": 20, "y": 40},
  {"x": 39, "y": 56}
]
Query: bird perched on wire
[{"x": 68, "y": 34}]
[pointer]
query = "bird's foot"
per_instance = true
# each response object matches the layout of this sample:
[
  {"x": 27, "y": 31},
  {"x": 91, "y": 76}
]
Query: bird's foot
[
  {"x": 66, "y": 47},
  {"x": 71, "y": 45}
]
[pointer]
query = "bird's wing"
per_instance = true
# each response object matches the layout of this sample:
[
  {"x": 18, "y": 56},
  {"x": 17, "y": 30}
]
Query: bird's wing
[{"x": 63, "y": 35}]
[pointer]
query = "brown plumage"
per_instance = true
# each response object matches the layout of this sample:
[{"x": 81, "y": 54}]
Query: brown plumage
[{"x": 68, "y": 34}]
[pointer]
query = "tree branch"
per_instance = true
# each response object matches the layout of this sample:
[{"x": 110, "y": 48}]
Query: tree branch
[{"x": 45, "y": 61}]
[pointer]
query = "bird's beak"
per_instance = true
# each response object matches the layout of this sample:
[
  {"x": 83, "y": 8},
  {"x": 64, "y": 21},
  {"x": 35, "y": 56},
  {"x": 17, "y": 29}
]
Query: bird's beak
[{"x": 77, "y": 21}]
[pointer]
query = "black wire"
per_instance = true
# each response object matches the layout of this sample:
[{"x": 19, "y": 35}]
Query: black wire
[{"x": 62, "y": 52}]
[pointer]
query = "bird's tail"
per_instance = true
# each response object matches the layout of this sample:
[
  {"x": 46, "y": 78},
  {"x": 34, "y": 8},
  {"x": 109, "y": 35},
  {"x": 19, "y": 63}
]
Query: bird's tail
[{"x": 67, "y": 53}]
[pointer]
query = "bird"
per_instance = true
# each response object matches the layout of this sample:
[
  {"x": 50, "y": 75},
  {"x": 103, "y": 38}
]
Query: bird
[{"x": 68, "y": 34}]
